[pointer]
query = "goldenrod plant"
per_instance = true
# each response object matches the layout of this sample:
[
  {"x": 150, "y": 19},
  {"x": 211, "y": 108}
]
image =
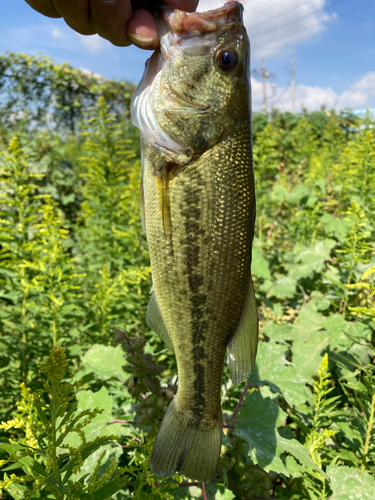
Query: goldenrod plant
[{"x": 47, "y": 465}]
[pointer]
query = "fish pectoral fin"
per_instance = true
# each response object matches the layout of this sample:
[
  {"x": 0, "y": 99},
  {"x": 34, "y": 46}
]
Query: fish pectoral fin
[
  {"x": 142, "y": 206},
  {"x": 165, "y": 205},
  {"x": 155, "y": 321},
  {"x": 242, "y": 347}
]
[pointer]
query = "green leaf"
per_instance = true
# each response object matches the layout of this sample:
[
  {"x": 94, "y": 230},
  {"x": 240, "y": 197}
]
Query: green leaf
[
  {"x": 15, "y": 465},
  {"x": 294, "y": 468},
  {"x": 300, "y": 452},
  {"x": 98, "y": 426},
  {"x": 351, "y": 433},
  {"x": 309, "y": 351},
  {"x": 111, "y": 450},
  {"x": 259, "y": 265},
  {"x": 336, "y": 326},
  {"x": 12, "y": 448},
  {"x": 106, "y": 361},
  {"x": 309, "y": 341},
  {"x": 313, "y": 334},
  {"x": 273, "y": 369},
  {"x": 362, "y": 353},
  {"x": 346, "y": 483},
  {"x": 86, "y": 452},
  {"x": 283, "y": 288},
  {"x": 38, "y": 468},
  {"x": 295, "y": 197},
  {"x": 225, "y": 441},
  {"x": 278, "y": 333},
  {"x": 258, "y": 422},
  {"x": 310, "y": 260},
  {"x": 359, "y": 331},
  {"x": 107, "y": 490},
  {"x": 54, "y": 482},
  {"x": 225, "y": 495},
  {"x": 335, "y": 227},
  {"x": 71, "y": 409},
  {"x": 17, "y": 491},
  {"x": 42, "y": 415}
]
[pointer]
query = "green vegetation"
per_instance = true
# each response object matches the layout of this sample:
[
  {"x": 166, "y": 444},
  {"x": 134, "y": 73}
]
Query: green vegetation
[{"x": 84, "y": 383}]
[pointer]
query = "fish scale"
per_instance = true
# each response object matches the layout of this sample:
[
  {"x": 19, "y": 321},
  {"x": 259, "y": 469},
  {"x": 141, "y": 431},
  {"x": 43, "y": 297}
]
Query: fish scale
[{"x": 198, "y": 206}]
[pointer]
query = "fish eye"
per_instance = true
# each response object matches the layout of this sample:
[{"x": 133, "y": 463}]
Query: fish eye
[{"x": 227, "y": 59}]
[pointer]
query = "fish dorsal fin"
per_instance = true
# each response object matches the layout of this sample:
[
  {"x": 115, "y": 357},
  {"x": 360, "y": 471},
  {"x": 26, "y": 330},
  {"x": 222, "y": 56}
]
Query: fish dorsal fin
[
  {"x": 242, "y": 347},
  {"x": 142, "y": 206},
  {"x": 155, "y": 321}
]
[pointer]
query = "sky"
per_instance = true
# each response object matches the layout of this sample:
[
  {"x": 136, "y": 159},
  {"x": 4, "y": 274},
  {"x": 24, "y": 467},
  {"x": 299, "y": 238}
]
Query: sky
[{"x": 331, "y": 41}]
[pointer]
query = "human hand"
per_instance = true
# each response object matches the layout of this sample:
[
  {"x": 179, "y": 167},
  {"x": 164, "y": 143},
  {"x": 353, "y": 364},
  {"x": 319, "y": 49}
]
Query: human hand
[{"x": 115, "y": 20}]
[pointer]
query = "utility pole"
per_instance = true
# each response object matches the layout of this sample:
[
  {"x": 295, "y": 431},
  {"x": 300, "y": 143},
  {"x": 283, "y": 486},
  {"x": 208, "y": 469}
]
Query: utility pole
[
  {"x": 293, "y": 88},
  {"x": 265, "y": 75}
]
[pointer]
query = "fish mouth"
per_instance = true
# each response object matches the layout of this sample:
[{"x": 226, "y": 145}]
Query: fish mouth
[{"x": 180, "y": 22}]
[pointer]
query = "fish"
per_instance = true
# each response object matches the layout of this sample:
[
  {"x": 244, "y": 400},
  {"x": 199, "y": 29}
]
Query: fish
[{"x": 197, "y": 198}]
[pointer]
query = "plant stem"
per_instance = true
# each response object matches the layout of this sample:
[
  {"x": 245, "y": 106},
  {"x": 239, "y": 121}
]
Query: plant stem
[
  {"x": 54, "y": 332},
  {"x": 118, "y": 421},
  {"x": 24, "y": 337},
  {"x": 55, "y": 469},
  {"x": 368, "y": 434},
  {"x": 204, "y": 496},
  {"x": 272, "y": 227},
  {"x": 352, "y": 264},
  {"x": 238, "y": 406},
  {"x": 347, "y": 291}
]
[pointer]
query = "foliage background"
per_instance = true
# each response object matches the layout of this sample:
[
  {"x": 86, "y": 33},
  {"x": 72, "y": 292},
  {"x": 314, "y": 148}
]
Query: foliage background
[{"x": 75, "y": 278}]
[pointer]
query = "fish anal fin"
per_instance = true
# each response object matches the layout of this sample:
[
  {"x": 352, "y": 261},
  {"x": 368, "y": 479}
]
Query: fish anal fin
[
  {"x": 242, "y": 347},
  {"x": 155, "y": 321}
]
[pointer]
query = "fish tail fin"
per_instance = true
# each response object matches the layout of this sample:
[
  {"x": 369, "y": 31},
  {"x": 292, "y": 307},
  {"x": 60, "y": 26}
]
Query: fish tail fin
[{"x": 183, "y": 447}]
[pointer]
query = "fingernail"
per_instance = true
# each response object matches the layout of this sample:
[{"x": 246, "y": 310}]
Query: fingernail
[{"x": 141, "y": 40}]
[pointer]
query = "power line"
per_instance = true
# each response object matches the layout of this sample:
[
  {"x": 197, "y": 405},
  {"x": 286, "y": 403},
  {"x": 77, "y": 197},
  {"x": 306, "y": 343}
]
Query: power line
[
  {"x": 298, "y": 19},
  {"x": 282, "y": 93},
  {"x": 315, "y": 24},
  {"x": 265, "y": 8},
  {"x": 289, "y": 10}
]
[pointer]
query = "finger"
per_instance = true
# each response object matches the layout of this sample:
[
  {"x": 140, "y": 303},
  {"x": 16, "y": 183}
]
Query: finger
[
  {"x": 142, "y": 30},
  {"x": 45, "y": 7},
  {"x": 110, "y": 18},
  {"x": 186, "y": 5},
  {"x": 76, "y": 14}
]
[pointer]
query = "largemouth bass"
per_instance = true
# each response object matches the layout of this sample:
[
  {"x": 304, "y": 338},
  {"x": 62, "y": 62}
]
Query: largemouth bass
[{"x": 198, "y": 211}]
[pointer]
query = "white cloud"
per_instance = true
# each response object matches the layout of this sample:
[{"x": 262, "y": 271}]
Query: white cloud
[
  {"x": 360, "y": 94},
  {"x": 48, "y": 37},
  {"x": 99, "y": 76},
  {"x": 93, "y": 43},
  {"x": 57, "y": 32},
  {"x": 274, "y": 25}
]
